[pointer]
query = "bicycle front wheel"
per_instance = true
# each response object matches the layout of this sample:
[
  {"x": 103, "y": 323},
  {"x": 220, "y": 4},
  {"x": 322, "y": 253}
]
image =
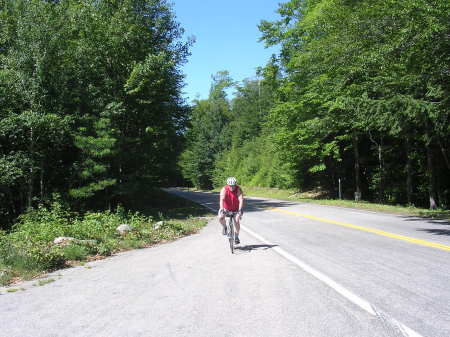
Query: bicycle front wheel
[{"x": 231, "y": 234}]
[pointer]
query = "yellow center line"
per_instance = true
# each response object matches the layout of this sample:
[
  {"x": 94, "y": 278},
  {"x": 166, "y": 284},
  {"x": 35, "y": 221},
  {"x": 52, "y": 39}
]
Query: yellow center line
[{"x": 366, "y": 229}]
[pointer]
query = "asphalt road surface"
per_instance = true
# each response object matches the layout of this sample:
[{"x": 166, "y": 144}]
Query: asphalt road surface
[{"x": 300, "y": 270}]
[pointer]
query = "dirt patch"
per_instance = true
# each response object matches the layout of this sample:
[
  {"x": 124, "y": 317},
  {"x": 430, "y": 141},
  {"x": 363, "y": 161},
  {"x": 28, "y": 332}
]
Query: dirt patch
[{"x": 312, "y": 194}]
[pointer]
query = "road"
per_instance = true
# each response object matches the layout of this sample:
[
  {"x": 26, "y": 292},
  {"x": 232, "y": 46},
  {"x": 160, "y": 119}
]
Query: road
[{"x": 300, "y": 270}]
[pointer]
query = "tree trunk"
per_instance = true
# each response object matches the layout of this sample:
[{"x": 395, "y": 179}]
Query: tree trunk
[
  {"x": 357, "y": 168},
  {"x": 30, "y": 177},
  {"x": 41, "y": 180},
  {"x": 408, "y": 169},
  {"x": 431, "y": 177},
  {"x": 120, "y": 173},
  {"x": 444, "y": 154},
  {"x": 381, "y": 168}
]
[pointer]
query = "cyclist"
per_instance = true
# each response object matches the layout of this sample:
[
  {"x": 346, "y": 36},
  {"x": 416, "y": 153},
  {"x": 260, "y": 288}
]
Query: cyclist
[{"x": 231, "y": 199}]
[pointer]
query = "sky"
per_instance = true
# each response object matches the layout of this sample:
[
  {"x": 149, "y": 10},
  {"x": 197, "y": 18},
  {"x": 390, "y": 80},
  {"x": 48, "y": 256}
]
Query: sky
[{"x": 226, "y": 34}]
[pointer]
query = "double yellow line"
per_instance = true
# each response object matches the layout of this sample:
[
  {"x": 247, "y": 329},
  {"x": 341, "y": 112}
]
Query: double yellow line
[{"x": 366, "y": 229}]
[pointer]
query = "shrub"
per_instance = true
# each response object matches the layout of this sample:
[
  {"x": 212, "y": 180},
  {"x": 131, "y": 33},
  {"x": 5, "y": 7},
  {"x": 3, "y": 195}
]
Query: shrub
[
  {"x": 44, "y": 224},
  {"x": 5, "y": 275},
  {"x": 108, "y": 246},
  {"x": 29, "y": 255},
  {"x": 75, "y": 252},
  {"x": 28, "y": 249},
  {"x": 96, "y": 226}
]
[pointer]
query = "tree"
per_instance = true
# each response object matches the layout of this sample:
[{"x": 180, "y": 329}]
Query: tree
[
  {"x": 363, "y": 69},
  {"x": 206, "y": 137},
  {"x": 90, "y": 95}
]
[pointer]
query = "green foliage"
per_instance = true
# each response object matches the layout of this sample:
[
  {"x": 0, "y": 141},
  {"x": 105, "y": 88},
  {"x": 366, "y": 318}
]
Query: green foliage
[
  {"x": 359, "y": 94},
  {"x": 208, "y": 135},
  {"x": 255, "y": 163},
  {"x": 28, "y": 256},
  {"x": 90, "y": 96},
  {"x": 43, "y": 224},
  {"x": 363, "y": 69},
  {"x": 29, "y": 249},
  {"x": 75, "y": 252},
  {"x": 107, "y": 246},
  {"x": 41, "y": 283}
]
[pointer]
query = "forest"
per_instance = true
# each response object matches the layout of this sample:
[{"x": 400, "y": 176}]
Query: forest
[
  {"x": 91, "y": 106},
  {"x": 359, "y": 94},
  {"x": 90, "y": 97}
]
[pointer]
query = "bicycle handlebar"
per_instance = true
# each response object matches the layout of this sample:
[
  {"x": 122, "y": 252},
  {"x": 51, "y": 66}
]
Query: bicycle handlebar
[{"x": 231, "y": 213}]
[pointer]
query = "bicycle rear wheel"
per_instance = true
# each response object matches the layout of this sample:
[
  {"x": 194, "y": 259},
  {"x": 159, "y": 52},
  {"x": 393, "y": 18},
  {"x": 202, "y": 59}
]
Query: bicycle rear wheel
[{"x": 231, "y": 234}]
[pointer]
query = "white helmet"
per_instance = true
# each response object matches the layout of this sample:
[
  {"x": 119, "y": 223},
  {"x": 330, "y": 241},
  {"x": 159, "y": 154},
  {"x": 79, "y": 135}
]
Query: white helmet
[{"x": 231, "y": 181}]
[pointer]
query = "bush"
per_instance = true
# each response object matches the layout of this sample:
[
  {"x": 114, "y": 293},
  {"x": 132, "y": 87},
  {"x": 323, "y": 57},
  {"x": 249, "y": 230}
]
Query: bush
[
  {"x": 108, "y": 246},
  {"x": 5, "y": 275},
  {"x": 29, "y": 255},
  {"x": 29, "y": 250},
  {"x": 44, "y": 224},
  {"x": 75, "y": 252},
  {"x": 97, "y": 226}
]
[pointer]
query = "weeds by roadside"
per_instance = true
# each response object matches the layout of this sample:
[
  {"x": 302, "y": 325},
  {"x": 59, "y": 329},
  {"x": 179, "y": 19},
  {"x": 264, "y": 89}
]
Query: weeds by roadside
[
  {"x": 41, "y": 283},
  {"x": 28, "y": 249}
]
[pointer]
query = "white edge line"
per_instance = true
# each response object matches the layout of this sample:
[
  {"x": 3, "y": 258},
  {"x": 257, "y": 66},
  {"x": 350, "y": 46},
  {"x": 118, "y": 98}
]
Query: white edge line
[
  {"x": 325, "y": 279},
  {"x": 336, "y": 286},
  {"x": 363, "y": 304}
]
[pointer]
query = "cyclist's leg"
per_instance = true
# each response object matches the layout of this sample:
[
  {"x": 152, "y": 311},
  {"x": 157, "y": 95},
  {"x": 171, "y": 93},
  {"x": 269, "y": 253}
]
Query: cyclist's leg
[
  {"x": 237, "y": 224},
  {"x": 237, "y": 227}
]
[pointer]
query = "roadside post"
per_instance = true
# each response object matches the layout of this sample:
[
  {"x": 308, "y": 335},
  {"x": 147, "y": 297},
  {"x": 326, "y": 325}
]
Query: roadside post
[{"x": 340, "y": 190}]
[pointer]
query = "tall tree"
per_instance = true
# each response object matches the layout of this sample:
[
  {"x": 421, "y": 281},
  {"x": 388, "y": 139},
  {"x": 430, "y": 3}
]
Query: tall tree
[
  {"x": 90, "y": 95},
  {"x": 206, "y": 137},
  {"x": 362, "y": 68}
]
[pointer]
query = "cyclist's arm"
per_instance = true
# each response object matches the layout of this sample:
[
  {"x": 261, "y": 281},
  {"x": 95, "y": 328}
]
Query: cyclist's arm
[
  {"x": 222, "y": 196},
  {"x": 241, "y": 199}
]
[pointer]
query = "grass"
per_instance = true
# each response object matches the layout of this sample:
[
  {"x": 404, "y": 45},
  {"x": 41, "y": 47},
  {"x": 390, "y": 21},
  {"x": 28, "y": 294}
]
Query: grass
[
  {"x": 29, "y": 251},
  {"x": 41, "y": 283},
  {"x": 12, "y": 290},
  {"x": 317, "y": 198},
  {"x": 75, "y": 252}
]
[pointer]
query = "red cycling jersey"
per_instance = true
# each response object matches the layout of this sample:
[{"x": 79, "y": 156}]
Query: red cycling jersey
[{"x": 231, "y": 199}]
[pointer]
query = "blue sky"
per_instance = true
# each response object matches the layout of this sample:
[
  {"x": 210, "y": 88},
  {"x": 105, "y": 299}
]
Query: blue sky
[{"x": 226, "y": 36}]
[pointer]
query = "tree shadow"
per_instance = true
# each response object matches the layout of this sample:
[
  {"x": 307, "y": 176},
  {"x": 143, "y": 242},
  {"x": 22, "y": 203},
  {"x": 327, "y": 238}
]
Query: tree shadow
[
  {"x": 249, "y": 248},
  {"x": 435, "y": 231},
  {"x": 444, "y": 222},
  {"x": 255, "y": 205}
]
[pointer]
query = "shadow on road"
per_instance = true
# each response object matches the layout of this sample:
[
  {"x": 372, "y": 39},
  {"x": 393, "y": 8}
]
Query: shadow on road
[
  {"x": 436, "y": 226},
  {"x": 255, "y": 205},
  {"x": 435, "y": 231},
  {"x": 250, "y": 205},
  {"x": 250, "y": 248},
  {"x": 427, "y": 220}
]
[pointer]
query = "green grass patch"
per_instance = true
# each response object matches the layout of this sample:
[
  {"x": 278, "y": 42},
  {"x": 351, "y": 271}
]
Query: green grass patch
[
  {"x": 41, "y": 283},
  {"x": 5, "y": 276},
  {"x": 28, "y": 250}
]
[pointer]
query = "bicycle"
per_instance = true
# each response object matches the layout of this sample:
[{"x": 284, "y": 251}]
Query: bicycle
[{"x": 230, "y": 228}]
